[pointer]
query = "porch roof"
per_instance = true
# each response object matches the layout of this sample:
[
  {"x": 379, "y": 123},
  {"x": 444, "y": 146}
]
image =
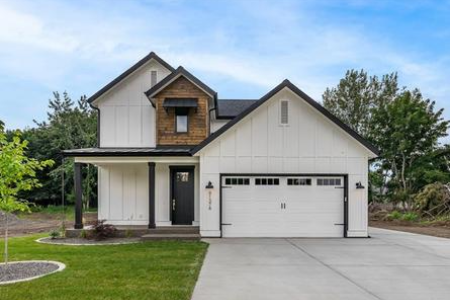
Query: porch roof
[{"x": 158, "y": 151}]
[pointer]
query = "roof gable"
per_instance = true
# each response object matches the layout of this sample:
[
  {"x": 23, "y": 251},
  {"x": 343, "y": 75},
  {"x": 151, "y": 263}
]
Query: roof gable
[
  {"x": 132, "y": 69},
  {"x": 319, "y": 108},
  {"x": 180, "y": 71}
]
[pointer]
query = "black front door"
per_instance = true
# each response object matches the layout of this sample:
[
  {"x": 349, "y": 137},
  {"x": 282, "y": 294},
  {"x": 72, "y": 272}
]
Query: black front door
[{"x": 182, "y": 200}]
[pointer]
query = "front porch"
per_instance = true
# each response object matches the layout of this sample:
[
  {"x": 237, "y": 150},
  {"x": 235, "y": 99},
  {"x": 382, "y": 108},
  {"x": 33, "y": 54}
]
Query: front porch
[{"x": 142, "y": 195}]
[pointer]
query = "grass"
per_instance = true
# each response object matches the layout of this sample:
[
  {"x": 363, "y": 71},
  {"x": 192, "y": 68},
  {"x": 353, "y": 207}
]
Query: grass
[
  {"x": 150, "y": 270},
  {"x": 54, "y": 211}
]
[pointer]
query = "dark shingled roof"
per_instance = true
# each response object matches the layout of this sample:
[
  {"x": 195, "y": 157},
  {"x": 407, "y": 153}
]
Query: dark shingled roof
[
  {"x": 159, "y": 151},
  {"x": 230, "y": 108}
]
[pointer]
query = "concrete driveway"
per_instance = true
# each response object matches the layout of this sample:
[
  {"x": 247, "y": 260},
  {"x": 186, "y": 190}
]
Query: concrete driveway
[{"x": 390, "y": 265}]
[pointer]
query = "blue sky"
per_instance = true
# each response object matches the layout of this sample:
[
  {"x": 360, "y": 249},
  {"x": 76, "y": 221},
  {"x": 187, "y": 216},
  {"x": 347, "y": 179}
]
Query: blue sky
[{"x": 241, "y": 49}]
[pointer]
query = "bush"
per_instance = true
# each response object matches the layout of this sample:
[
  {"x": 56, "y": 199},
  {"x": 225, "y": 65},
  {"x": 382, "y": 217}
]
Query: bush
[
  {"x": 54, "y": 234},
  {"x": 433, "y": 200},
  {"x": 395, "y": 215},
  {"x": 101, "y": 231},
  {"x": 410, "y": 216}
]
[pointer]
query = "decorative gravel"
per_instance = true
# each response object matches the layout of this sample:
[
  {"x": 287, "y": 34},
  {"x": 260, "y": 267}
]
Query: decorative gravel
[
  {"x": 86, "y": 242},
  {"x": 27, "y": 270}
]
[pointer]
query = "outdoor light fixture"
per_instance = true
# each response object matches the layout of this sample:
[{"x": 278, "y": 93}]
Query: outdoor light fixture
[
  {"x": 359, "y": 185},
  {"x": 209, "y": 187}
]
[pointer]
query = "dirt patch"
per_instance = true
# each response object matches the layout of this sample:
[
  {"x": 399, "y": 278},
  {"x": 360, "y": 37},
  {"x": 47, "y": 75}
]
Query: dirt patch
[
  {"x": 37, "y": 222},
  {"x": 438, "y": 229}
]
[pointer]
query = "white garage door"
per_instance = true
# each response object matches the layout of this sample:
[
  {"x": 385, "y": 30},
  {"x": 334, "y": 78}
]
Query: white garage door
[{"x": 273, "y": 206}]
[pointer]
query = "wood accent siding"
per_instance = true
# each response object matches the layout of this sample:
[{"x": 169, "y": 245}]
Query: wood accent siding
[{"x": 197, "y": 120}]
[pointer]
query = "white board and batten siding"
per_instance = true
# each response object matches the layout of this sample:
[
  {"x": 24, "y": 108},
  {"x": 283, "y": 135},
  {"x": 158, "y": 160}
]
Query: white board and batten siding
[
  {"x": 309, "y": 144},
  {"x": 127, "y": 118},
  {"x": 124, "y": 194}
]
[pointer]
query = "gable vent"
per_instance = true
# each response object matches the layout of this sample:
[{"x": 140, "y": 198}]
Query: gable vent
[
  {"x": 284, "y": 112},
  {"x": 154, "y": 78}
]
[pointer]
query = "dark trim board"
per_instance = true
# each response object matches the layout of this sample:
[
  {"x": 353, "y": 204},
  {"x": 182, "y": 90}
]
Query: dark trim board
[{"x": 345, "y": 199}]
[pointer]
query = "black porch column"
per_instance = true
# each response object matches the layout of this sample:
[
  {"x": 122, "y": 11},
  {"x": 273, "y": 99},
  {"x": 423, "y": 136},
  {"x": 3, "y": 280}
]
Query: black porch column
[
  {"x": 78, "y": 197},
  {"x": 151, "y": 195}
]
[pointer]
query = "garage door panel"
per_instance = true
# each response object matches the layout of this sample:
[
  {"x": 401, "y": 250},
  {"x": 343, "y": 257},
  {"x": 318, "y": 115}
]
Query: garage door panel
[{"x": 282, "y": 209}]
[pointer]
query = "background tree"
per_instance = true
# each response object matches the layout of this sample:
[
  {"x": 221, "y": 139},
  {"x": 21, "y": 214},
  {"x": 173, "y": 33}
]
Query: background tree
[
  {"x": 17, "y": 173},
  {"x": 357, "y": 98},
  {"x": 69, "y": 125},
  {"x": 402, "y": 124},
  {"x": 407, "y": 130}
]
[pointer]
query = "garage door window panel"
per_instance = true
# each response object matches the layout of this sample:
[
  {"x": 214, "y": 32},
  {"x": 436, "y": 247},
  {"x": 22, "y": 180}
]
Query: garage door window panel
[
  {"x": 267, "y": 181},
  {"x": 299, "y": 181},
  {"x": 329, "y": 182},
  {"x": 237, "y": 181}
]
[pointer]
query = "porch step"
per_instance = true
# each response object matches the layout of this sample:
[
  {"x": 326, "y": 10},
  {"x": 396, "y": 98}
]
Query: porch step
[
  {"x": 174, "y": 230},
  {"x": 171, "y": 236}
]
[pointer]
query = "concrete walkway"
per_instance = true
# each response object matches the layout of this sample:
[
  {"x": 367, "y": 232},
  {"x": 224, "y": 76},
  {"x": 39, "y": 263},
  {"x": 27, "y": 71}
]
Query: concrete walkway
[{"x": 390, "y": 265}]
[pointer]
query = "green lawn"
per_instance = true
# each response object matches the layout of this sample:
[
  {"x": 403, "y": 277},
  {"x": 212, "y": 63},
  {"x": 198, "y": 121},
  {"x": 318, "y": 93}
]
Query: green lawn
[{"x": 150, "y": 270}]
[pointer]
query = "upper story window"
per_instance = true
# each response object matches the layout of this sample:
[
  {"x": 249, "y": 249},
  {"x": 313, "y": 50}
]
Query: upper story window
[
  {"x": 153, "y": 78},
  {"x": 181, "y": 120},
  {"x": 284, "y": 112}
]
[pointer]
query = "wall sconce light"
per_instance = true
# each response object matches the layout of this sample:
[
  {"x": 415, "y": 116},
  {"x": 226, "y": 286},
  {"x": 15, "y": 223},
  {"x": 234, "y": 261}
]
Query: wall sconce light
[
  {"x": 359, "y": 185},
  {"x": 209, "y": 187}
]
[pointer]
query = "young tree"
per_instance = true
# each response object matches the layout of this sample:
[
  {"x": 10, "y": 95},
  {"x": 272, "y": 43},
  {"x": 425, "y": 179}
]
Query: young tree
[
  {"x": 357, "y": 98},
  {"x": 17, "y": 173}
]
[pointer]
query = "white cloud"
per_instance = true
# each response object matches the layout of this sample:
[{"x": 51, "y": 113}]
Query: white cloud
[{"x": 82, "y": 44}]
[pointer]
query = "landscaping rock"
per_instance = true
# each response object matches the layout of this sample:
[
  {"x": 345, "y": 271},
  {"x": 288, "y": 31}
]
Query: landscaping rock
[
  {"x": 23, "y": 270},
  {"x": 81, "y": 241}
]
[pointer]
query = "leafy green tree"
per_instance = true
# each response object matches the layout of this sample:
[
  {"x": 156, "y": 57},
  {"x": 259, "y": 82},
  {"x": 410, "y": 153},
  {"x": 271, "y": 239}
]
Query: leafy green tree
[
  {"x": 17, "y": 173},
  {"x": 408, "y": 130},
  {"x": 357, "y": 98},
  {"x": 69, "y": 125}
]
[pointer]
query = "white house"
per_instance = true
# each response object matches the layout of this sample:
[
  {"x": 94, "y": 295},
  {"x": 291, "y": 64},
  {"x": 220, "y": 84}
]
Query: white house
[{"x": 171, "y": 153}]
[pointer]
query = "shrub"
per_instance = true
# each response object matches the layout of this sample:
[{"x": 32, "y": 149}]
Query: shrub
[
  {"x": 410, "y": 216},
  {"x": 433, "y": 200},
  {"x": 54, "y": 234},
  {"x": 101, "y": 231},
  {"x": 83, "y": 234},
  {"x": 395, "y": 215}
]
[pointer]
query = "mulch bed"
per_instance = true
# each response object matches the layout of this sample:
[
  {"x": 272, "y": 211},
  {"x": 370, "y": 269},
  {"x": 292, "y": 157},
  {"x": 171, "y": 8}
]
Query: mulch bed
[
  {"x": 81, "y": 241},
  {"x": 22, "y": 271},
  {"x": 439, "y": 230}
]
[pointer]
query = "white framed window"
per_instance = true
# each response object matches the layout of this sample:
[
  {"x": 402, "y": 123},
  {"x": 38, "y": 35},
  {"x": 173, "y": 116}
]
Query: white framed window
[{"x": 284, "y": 112}]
